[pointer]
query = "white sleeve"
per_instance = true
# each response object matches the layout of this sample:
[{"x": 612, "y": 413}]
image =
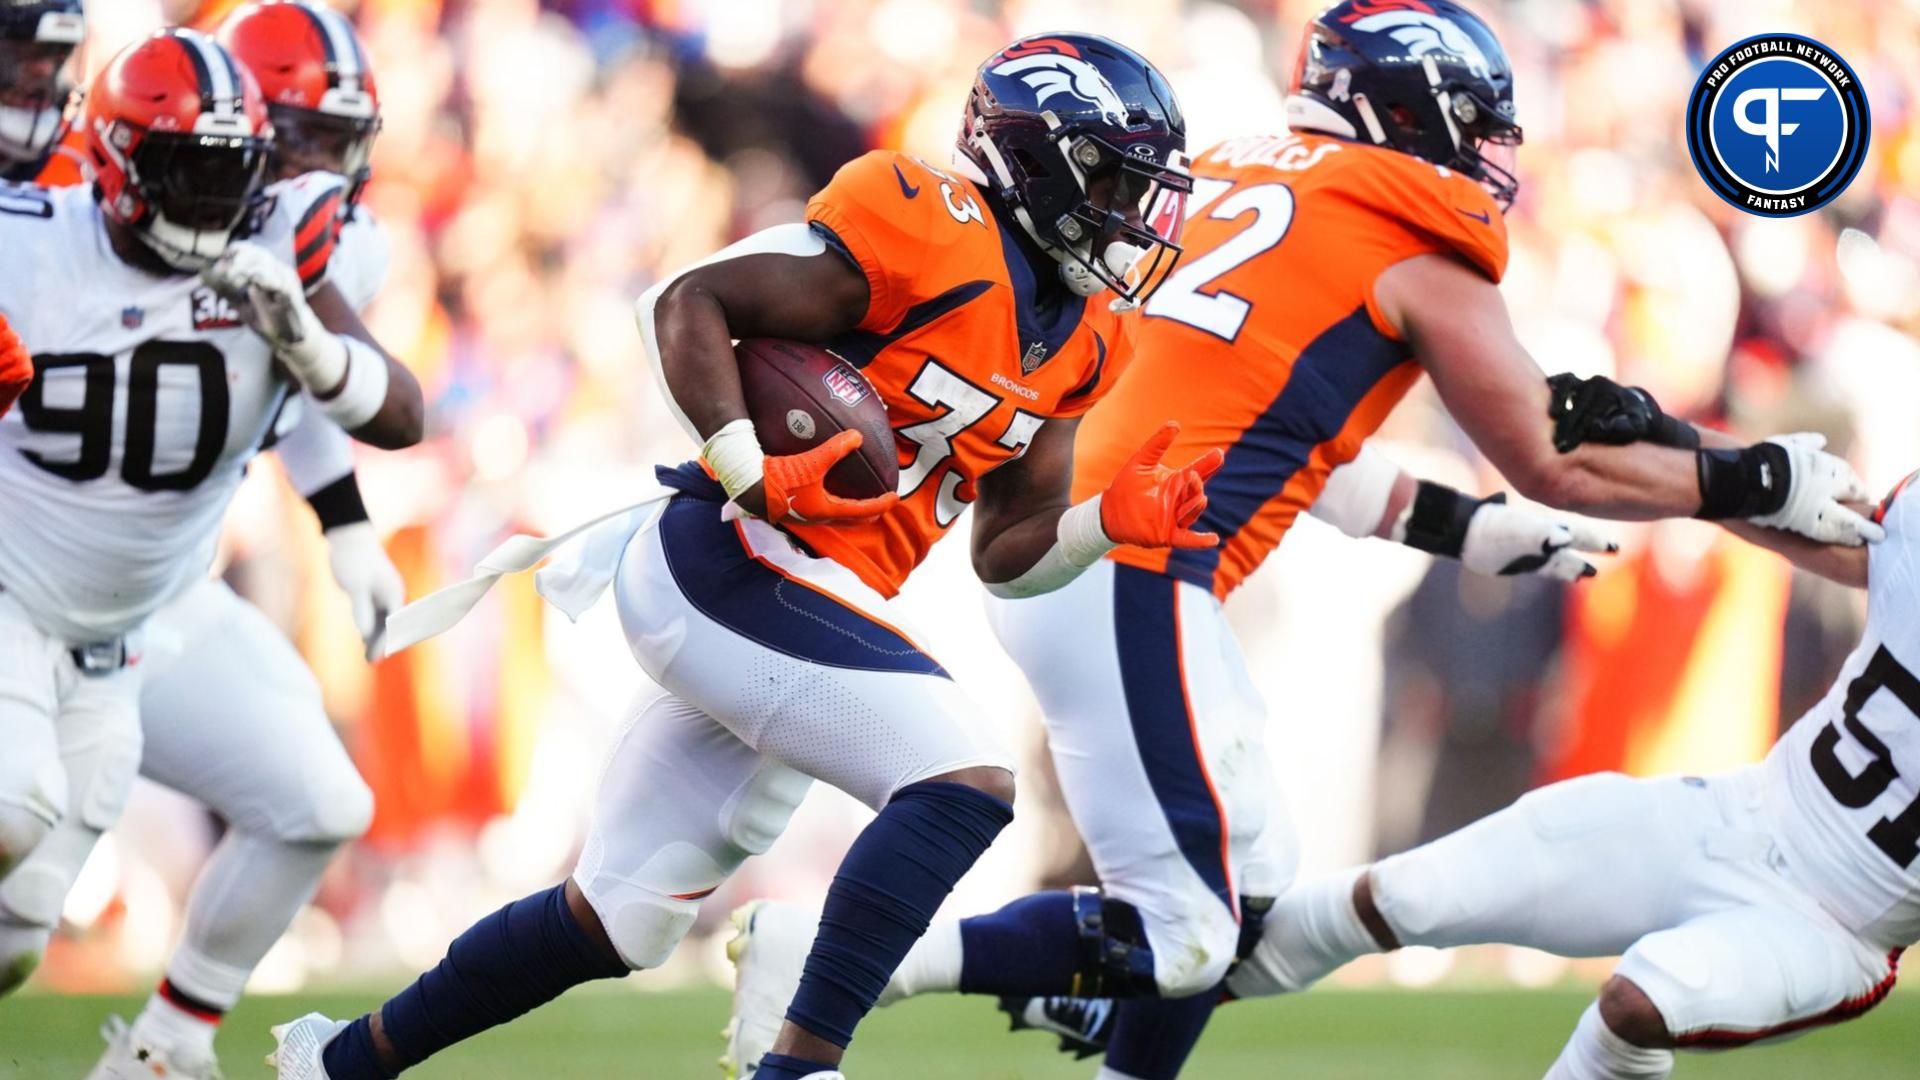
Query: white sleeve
[
  {"x": 1357, "y": 493},
  {"x": 796, "y": 239},
  {"x": 316, "y": 453}
]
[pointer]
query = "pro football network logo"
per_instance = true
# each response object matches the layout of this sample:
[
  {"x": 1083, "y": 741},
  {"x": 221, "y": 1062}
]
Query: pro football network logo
[{"x": 1778, "y": 125}]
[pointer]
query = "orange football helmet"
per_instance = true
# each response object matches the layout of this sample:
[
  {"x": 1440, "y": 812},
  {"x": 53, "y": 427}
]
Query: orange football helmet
[
  {"x": 179, "y": 138},
  {"x": 318, "y": 84}
]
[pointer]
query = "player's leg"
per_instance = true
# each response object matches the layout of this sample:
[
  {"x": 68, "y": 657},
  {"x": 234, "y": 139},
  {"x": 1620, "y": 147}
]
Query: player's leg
[
  {"x": 1581, "y": 868},
  {"x": 97, "y": 730},
  {"x": 33, "y": 787},
  {"x": 681, "y": 804},
  {"x": 1721, "y": 981},
  {"x": 800, "y": 660},
  {"x": 235, "y": 721},
  {"x": 1147, "y": 706}
]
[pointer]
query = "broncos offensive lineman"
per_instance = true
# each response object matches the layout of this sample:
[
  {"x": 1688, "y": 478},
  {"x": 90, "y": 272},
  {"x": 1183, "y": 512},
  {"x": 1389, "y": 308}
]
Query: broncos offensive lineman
[
  {"x": 163, "y": 348},
  {"x": 1326, "y": 270},
  {"x": 261, "y": 752}
]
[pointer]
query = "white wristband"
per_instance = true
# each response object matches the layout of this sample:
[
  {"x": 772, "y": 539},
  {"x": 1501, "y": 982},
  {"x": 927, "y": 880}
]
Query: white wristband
[
  {"x": 1083, "y": 540},
  {"x": 362, "y": 388},
  {"x": 734, "y": 455}
]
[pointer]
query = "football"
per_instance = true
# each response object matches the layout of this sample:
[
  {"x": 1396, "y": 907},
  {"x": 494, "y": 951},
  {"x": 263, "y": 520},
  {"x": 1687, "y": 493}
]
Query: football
[{"x": 799, "y": 396}]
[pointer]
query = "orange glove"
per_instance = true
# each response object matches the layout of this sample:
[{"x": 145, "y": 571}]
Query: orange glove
[
  {"x": 1149, "y": 505},
  {"x": 16, "y": 367},
  {"x": 795, "y": 486}
]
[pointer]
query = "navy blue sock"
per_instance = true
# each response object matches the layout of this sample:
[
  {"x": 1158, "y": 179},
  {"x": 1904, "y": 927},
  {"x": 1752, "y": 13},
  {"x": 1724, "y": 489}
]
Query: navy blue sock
[
  {"x": 522, "y": 956},
  {"x": 1029, "y": 948},
  {"x": 899, "y": 870},
  {"x": 785, "y": 1067},
  {"x": 1152, "y": 1037}
]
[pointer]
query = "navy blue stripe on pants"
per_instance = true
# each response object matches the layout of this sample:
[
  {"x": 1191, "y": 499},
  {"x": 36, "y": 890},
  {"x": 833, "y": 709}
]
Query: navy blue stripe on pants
[
  {"x": 724, "y": 582},
  {"x": 1146, "y": 626}
]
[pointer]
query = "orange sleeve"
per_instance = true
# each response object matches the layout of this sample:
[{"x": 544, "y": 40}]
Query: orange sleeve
[
  {"x": 1447, "y": 211},
  {"x": 879, "y": 209}
]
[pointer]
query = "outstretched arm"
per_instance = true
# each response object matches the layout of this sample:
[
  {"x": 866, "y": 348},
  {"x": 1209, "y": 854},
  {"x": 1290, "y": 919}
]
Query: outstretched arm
[
  {"x": 1372, "y": 496},
  {"x": 1458, "y": 325}
]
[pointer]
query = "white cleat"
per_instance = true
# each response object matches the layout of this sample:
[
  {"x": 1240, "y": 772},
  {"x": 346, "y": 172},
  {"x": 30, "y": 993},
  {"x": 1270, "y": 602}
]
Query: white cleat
[
  {"x": 768, "y": 953},
  {"x": 297, "y": 1046},
  {"x": 129, "y": 1059}
]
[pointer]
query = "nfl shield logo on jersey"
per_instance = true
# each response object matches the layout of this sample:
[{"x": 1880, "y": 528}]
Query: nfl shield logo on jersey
[
  {"x": 845, "y": 384},
  {"x": 1036, "y": 355},
  {"x": 132, "y": 317}
]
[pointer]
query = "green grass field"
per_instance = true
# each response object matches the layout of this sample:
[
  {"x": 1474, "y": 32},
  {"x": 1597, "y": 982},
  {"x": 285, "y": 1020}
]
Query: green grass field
[{"x": 1331, "y": 1035}]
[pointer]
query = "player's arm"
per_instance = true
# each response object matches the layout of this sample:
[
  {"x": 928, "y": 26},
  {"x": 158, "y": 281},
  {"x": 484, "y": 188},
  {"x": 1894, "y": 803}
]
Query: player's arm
[
  {"x": 1371, "y": 496},
  {"x": 783, "y": 282},
  {"x": 318, "y": 458},
  {"x": 323, "y": 343},
  {"x": 1458, "y": 325},
  {"x": 1028, "y": 539}
]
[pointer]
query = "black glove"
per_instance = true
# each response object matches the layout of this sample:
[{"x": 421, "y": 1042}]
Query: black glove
[{"x": 1600, "y": 410}]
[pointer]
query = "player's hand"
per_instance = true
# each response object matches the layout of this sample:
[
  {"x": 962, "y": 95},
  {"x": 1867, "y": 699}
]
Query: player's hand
[
  {"x": 16, "y": 367},
  {"x": 1818, "y": 483},
  {"x": 268, "y": 294},
  {"x": 1150, "y": 505},
  {"x": 794, "y": 486},
  {"x": 368, "y": 577},
  {"x": 1505, "y": 540}
]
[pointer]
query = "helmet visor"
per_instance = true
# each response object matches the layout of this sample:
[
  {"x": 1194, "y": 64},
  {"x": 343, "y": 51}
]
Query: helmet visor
[{"x": 202, "y": 182}]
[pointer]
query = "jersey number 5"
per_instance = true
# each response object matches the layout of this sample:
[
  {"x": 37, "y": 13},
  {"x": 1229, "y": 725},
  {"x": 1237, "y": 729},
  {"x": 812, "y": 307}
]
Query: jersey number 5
[
  {"x": 92, "y": 418},
  {"x": 1898, "y": 837},
  {"x": 1221, "y": 313}
]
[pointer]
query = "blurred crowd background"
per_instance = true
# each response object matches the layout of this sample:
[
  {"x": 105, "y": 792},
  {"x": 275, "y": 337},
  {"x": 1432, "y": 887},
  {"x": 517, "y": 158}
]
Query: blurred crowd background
[{"x": 543, "y": 163}]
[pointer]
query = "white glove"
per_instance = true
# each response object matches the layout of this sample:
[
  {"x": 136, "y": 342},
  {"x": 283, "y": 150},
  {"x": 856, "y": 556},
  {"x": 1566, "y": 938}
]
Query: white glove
[
  {"x": 269, "y": 296},
  {"x": 1818, "y": 482},
  {"x": 369, "y": 579},
  {"x": 1504, "y": 540}
]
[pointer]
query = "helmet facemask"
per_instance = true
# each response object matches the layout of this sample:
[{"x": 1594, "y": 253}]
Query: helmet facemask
[
  {"x": 310, "y": 140},
  {"x": 1115, "y": 225},
  {"x": 197, "y": 189}
]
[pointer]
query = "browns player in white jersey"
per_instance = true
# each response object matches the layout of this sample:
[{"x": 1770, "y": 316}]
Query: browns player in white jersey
[
  {"x": 261, "y": 753},
  {"x": 1748, "y": 906},
  {"x": 164, "y": 345}
]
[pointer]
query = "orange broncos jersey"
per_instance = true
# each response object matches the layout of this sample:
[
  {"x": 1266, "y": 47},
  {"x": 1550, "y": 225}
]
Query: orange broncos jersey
[
  {"x": 1267, "y": 342},
  {"x": 967, "y": 363}
]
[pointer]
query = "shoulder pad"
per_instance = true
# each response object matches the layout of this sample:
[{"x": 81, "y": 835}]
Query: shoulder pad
[
  {"x": 888, "y": 212},
  {"x": 1450, "y": 211}
]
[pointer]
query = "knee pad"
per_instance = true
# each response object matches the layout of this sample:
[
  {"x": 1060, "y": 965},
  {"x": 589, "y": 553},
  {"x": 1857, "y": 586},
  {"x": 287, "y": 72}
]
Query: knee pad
[
  {"x": 1192, "y": 954},
  {"x": 644, "y": 926},
  {"x": 341, "y": 812},
  {"x": 1123, "y": 954}
]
